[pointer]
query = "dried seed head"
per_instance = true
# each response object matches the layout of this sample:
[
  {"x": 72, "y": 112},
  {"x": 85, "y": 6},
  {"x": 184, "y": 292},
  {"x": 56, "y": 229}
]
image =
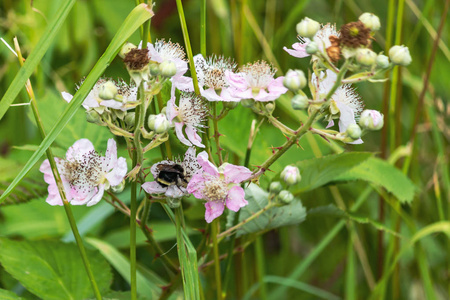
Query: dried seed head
[
  {"x": 136, "y": 59},
  {"x": 334, "y": 51},
  {"x": 354, "y": 35}
]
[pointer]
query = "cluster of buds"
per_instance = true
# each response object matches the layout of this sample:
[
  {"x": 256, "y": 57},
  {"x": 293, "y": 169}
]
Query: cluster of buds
[{"x": 289, "y": 176}]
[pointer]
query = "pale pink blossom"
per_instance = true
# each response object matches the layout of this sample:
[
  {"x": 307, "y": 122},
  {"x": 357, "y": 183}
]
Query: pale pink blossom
[
  {"x": 321, "y": 38},
  {"x": 219, "y": 187},
  {"x": 345, "y": 103},
  {"x": 191, "y": 112},
  {"x": 256, "y": 81},
  {"x": 184, "y": 169},
  {"x": 85, "y": 174}
]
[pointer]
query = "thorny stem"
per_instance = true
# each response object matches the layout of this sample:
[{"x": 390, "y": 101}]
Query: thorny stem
[
  {"x": 217, "y": 134},
  {"x": 327, "y": 135},
  {"x": 56, "y": 175},
  {"x": 275, "y": 122}
]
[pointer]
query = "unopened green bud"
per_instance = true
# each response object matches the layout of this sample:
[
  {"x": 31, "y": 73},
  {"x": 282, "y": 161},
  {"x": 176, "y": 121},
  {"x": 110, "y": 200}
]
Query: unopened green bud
[
  {"x": 247, "y": 103},
  {"x": 299, "y": 102},
  {"x": 370, "y": 21},
  {"x": 294, "y": 80},
  {"x": 371, "y": 120},
  {"x": 399, "y": 55},
  {"x": 154, "y": 69},
  {"x": 312, "y": 48},
  {"x": 382, "y": 61},
  {"x": 285, "y": 197},
  {"x": 275, "y": 187},
  {"x": 366, "y": 57},
  {"x": 290, "y": 175},
  {"x": 270, "y": 107},
  {"x": 130, "y": 118},
  {"x": 92, "y": 117},
  {"x": 158, "y": 123},
  {"x": 230, "y": 104},
  {"x": 354, "y": 131},
  {"x": 168, "y": 68},
  {"x": 107, "y": 90},
  {"x": 173, "y": 202},
  {"x": 118, "y": 188},
  {"x": 307, "y": 27},
  {"x": 125, "y": 49}
]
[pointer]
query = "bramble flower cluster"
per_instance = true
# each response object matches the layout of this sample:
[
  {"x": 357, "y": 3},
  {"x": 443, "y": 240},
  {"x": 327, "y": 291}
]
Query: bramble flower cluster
[{"x": 340, "y": 58}]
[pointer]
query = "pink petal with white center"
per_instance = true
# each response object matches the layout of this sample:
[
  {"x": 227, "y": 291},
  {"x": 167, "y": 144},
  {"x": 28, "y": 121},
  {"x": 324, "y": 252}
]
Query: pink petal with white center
[
  {"x": 97, "y": 197},
  {"x": 111, "y": 154},
  {"x": 236, "y": 174},
  {"x": 66, "y": 96},
  {"x": 192, "y": 135},
  {"x": 299, "y": 50},
  {"x": 153, "y": 187},
  {"x": 213, "y": 210},
  {"x": 171, "y": 109},
  {"x": 116, "y": 176},
  {"x": 180, "y": 135},
  {"x": 235, "y": 198},
  {"x": 113, "y": 104},
  {"x": 207, "y": 166},
  {"x": 236, "y": 80},
  {"x": 79, "y": 148}
]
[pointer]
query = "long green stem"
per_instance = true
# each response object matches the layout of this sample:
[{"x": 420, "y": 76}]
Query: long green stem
[
  {"x": 217, "y": 273},
  {"x": 216, "y": 133},
  {"x": 62, "y": 193}
]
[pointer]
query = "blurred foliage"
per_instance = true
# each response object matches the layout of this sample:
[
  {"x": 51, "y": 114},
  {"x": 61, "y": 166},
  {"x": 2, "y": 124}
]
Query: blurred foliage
[{"x": 231, "y": 31}]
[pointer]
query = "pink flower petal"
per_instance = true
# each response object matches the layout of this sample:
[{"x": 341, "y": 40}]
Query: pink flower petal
[
  {"x": 97, "y": 197},
  {"x": 171, "y": 109},
  {"x": 207, "y": 166},
  {"x": 116, "y": 176},
  {"x": 113, "y": 104},
  {"x": 213, "y": 210},
  {"x": 192, "y": 135},
  {"x": 153, "y": 187},
  {"x": 174, "y": 191},
  {"x": 235, "y": 198},
  {"x": 66, "y": 96},
  {"x": 210, "y": 94},
  {"x": 236, "y": 80},
  {"x": 111, "y": 154},
  {"x": 236, "y": 174},
  {"x": 299, "y": 50},
  {"x": 79, "y": 148},
  {"x": 180, "y": 135}
]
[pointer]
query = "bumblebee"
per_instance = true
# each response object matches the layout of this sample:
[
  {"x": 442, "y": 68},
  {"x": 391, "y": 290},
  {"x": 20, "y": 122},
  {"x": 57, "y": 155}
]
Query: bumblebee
[{"x": 171, "y": 175}]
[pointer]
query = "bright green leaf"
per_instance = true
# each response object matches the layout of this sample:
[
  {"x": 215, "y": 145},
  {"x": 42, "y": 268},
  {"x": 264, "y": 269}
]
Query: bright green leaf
[{"x": 7, "y": 295}]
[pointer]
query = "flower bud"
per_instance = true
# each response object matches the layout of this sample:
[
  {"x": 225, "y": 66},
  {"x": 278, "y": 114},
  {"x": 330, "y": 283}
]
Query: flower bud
[
  {"x": 154, "y": 69},
  {"x": 307, "y": 27},
  {"x": 173, "y": 202},
  {"x": 294, "y": 80},
  {"x": 130, "y": 118},
  {"x": 275, "y": 187},
  {"x": 299, "y": 102},
  {"x": 107, "y": 90},
  {"x": 285, "y": 196},
  {"x": 366, "y": 57},
  {"x": 247, "y": 103},
  {"x": 382, "y": 61},
  {"x": 399, "y": 55},
  {"x": 168, "y": 68},
  {"x": 92, "y": 116},
  {"x": 270, "y": 107},
  {"x": 312, "y": 48},
  {"x": 290, "y": 175},
  {"x": 230, "y": 104},
  {"x": 125, "y": 49},
  {"x": 370, "y": 21},
  {"x": 118, "y": 188},
  {"x": 158, "y": 123},
  {"x": 354, "y": 131},
  {"x": 371, "y": 120}
]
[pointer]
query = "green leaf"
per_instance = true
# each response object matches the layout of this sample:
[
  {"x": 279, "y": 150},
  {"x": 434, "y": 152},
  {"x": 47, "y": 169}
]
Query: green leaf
[
  {"x": 321, "y": 171},
  {"x": 275, "y": 217},
  {"x": 53, "y": 270},
  {"x": 35, "y": 56},
  {"x": 7, "y": 295},
  {"x": 380, "y": 172},
  {"x": 136, "y": 18},
  {"x": 148, "y": 288},
  {"x": 120, "y": 296}
]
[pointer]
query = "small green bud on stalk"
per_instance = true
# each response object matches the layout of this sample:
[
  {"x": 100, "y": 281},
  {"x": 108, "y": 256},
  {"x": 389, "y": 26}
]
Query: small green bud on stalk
[
  {"x": 382, "y": 61},
  {"x": 294, "y": 80},
  {"x": 307, "y": 27},
  {"x": 93, "y": 117},
  {"x": 130, "y": 118},
  {"x": 154, "y": 69},
  {"x": 285, "y": 197},
  {"x": 275, "y": 187},
  {"x": 354, "y": 131},
  {"x": 399, "y": 55},
  {"x": 371, "y": 120},
  {"x": 312, "y": 48},
  {"x": 370, "y": 21},
  {"x": 299, "y": 102},
  {"x": 290, "y": 175},
  {"x": 168, "y": 68},
  {"x": 366, "y": 57},
  {"x": 270, "y": 107},
  {"x": 158, "y": 123},
  {"x": 108, "y": 90}
]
